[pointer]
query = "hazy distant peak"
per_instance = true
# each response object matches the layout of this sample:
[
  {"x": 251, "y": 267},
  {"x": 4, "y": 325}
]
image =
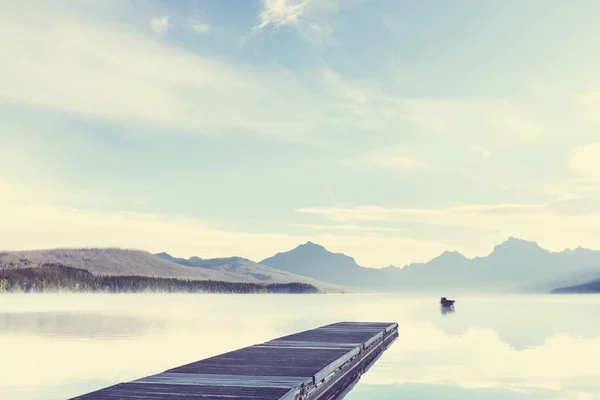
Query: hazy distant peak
[
  {"x": 515, "y": 244},
  {"x": 512, "y": 239},
  {"x": 311, "y": 249},
  {"x": 451, "y": 255},
  {"x": 580, "y": 249},
  {"x": 230, "y": 259},
  {"x": 196, "y": 259},
  {"x": 312, "y": 245},
  {"x": 165, "y": 255},
  {"x": 315, "y": 261}
]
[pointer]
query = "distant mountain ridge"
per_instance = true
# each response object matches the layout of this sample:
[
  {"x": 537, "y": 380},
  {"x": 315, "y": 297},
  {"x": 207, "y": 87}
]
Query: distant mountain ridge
[
  {"x": 313, "y": 260},
  {"x": 105, "y": 261},
  {"x": 119, "y": 262},
  {"x": 239, "y": 266},
  {"x": 514, "y": 265},
  {"x": 195, "y": 261}
]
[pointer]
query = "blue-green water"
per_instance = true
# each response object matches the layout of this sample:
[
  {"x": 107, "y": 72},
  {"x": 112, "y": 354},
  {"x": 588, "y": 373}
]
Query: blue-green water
[{"x": 519, "y": 347}]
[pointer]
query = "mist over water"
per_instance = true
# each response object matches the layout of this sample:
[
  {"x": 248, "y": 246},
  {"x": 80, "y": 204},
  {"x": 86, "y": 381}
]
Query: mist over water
[{"x": 491, "y": 347}]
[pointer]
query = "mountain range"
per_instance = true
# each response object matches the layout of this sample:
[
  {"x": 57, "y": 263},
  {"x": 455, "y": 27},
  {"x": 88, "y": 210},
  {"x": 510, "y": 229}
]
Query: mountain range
[
  {"x": 114, "y": 261},
  {"x": 313, "y": 260},
  {"x": 515, "y": 265},
  {"x": 238, "y": 269}
]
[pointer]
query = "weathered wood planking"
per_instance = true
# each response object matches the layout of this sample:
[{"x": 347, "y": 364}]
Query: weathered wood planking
[{"x": 318, "y": 364}]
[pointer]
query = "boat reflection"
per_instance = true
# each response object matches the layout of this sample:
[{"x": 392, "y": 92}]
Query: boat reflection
[{"x": 447, "y": 310}]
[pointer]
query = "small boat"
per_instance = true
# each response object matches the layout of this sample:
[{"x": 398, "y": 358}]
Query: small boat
[{"x": 444, "y": 302}]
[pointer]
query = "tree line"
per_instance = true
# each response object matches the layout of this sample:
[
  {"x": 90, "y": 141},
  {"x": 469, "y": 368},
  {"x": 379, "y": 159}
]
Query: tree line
[{"x": 60, "y": 278}]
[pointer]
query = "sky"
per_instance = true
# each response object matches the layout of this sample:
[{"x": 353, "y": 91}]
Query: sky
[{"x": 389, "y": 131}]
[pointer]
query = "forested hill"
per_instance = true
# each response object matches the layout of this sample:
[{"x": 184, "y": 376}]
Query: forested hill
[{"x": 59, "y": 278}]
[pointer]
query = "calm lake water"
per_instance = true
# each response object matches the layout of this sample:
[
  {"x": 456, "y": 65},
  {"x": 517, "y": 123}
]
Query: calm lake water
[{"x": 530, "y": 347}]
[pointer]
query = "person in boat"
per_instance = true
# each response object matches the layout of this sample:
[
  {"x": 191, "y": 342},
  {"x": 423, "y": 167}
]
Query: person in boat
[{"x": 446, "y": 302}]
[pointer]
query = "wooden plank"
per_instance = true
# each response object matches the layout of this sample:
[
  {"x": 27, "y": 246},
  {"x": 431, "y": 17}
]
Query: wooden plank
[
  {"x": 171, "y": 378},
  {"x": 318, "y": 364},
  {"x": 329, "y": 368}
]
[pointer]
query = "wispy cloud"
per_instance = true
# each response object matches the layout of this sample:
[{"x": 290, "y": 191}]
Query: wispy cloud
[
  {"x": 388, "y": 161},
  {"x": 158, "y": 86},
  {"x": 555, "y": 225},
  {"x": 160, "y": 25},
  {"x": 201, "y": 28},
  {"x": 330, "y": 194},
  {"x": 440, "y": 216},
  {"x": 591, "y": 99},
  {"x": 281, "y": 12},
  {"x": 25, "y": 225},
  {"x": 482, "y": 152},
  {"x": 392, "y": 157},
  {"x": 498, "y": 121},
  {"x": 314, "y": 20},
  {"x": 194, "y": 93},
  {"x": 349, "y": 228},
  {"x": 585, "y": 160}
]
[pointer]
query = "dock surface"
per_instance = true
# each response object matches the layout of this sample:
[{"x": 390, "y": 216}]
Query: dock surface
[{"x": 318, "y": 364}]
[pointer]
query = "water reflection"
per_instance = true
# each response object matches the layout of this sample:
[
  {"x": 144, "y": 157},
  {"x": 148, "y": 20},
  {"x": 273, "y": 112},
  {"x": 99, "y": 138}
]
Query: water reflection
[
  {"x": 77, "y": 325},
  {"x": 525, "y": 321},
  {"x": 56, "y": 347},
  {"x": 447, "y": 310},
  {"x": 448, "y": 392}
]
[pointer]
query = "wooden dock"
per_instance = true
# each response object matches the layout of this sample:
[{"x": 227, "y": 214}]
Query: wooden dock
[{"x": 318, "y": 364}]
